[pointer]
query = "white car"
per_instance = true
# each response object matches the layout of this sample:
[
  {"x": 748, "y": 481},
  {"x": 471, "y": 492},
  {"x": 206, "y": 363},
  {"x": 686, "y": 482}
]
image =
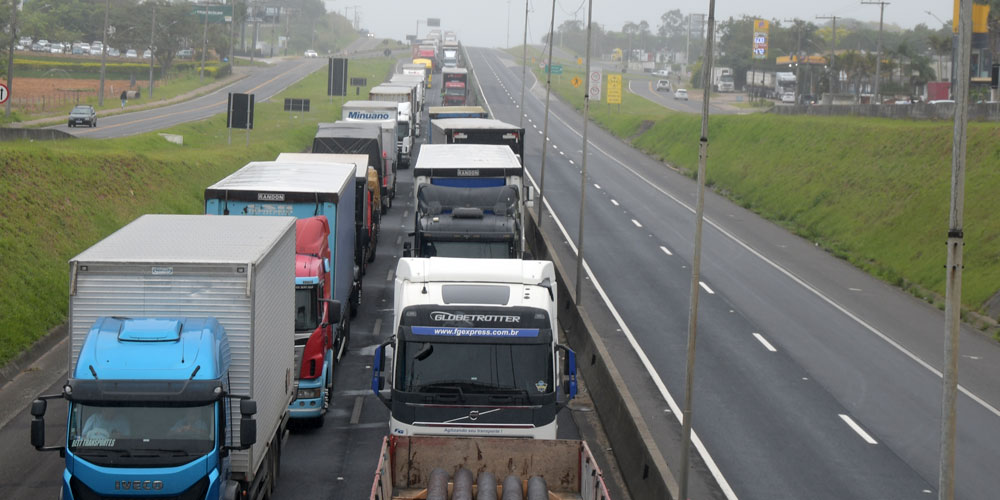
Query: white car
[
  {"x": 311, "y": 53},
  {"x": 681, "y": 94},
  {"x": 663, "y": 85},
  {"x": 662, "y": 72},
  {"x": 788, "y": 98},
  {"x": 146, "y": 54},
  {"x": 131, "y": 54}
]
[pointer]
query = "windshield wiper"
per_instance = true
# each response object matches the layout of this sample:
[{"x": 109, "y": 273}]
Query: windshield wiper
[{"x": 101, "y": 452}]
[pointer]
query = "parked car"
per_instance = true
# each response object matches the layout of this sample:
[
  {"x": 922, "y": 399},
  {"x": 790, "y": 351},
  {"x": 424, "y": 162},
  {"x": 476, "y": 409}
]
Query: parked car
[
  {"x": 83, "y": 114},
  {"x": 663, "y": 85},
  {"x": 681, "y": 94},
  {"x": 43, "y": 42},
  {"x": 20, "y": 47},
  {"x": 146, "y": 54},
  {"x": 662, "y": 72},
  {"x": 26, "y": 41},
  {"x": 311, "y": 53},
  {"x": 56, "y": 48},
  {"x": 114, "y": 52},
  {"x": 788, "y": 98},
  {"x": 185, "y": 53},
  {"x": 131, "y": 54},
  {"x": 95, "y": 51},
  {"x": 37, "y": 47}
]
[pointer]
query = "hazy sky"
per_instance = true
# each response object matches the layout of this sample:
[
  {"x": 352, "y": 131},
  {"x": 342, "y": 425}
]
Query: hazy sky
[{"x": 485, "y": 23}]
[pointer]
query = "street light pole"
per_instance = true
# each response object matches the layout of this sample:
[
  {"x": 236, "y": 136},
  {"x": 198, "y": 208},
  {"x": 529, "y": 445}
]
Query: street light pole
[
  {"x": 10, "y": 56},
  {"x": 204, "y": 43},
  {"x": 524, "y": 64},
  {"x": 583, "y": 171},
  {"x": 152, "y": 41},
  {"x": 104, "y": 52}
]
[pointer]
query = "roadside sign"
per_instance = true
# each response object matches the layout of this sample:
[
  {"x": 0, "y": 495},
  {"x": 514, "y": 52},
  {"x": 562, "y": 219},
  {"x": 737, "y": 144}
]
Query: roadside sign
[
  {"x": 614, "y": 88},
  {"x": 4, "y": 93},
  {"x": 217, "y": 14},
  {"x": 556, "y": 69},
  {"x": 579, "y": 61},
  {"x": 576, "y": 81},
  {"x": 594, "y": 84}
]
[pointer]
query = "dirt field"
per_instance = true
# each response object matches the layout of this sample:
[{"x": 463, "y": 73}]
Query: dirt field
[{"x": 41, "y": 94}]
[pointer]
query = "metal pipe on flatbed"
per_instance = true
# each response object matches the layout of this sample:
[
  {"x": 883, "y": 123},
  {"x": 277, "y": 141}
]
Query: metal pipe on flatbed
[
  {"x": 512, "y": 488},
  {"x": 537, "y": 489},
  {"x": 463, "y": 485},
  {"x": 437, "y": 485},
  {"x": 486, "y": 486}
]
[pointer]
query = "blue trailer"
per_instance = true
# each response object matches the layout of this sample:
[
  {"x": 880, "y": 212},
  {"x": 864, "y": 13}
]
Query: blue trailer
[
  {"x": 303, "y": 190},
  {"x": 178, "y": 372}
]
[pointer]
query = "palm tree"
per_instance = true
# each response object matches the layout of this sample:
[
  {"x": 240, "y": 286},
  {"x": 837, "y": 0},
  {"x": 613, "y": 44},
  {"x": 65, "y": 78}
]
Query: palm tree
[
  {"x": 629, "y": 29},
  {"x": 941, "y": 46}
]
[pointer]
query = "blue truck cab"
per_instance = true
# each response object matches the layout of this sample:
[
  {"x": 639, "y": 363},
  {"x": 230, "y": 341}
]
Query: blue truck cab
[{"x": 148, "y": 406}]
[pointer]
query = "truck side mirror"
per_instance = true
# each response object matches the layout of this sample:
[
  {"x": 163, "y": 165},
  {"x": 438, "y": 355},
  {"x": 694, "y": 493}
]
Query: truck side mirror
[
  {"x": 248, "y": 407},
  {"x": 248, "y": 431},
  {"x": 529, "y": 196},
  {"x": 569, "y": 370},
  {"x": 334, "y": 310},
  {"x": 38, "y": 407},
  {"x": 378, "y": 365},
  {"x": 378, "y": 383},
  {"x": 38, "y": 432}
]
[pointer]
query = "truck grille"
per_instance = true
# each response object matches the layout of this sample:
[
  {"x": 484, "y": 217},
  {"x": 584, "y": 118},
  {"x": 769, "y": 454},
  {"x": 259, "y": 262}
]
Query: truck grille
[{"x": 82, "y": 492}]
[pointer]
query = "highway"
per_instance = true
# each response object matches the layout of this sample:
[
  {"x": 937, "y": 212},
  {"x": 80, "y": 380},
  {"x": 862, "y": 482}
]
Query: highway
[
  {"x": 813, "y": 379},
  {"x": 333, "y": 461}
]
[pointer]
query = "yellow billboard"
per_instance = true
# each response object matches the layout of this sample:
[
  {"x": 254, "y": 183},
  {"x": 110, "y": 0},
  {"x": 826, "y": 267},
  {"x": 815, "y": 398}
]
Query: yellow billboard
[{"x": 614, "y": 89}]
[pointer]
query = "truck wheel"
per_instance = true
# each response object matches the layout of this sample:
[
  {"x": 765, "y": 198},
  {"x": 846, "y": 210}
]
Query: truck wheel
[{"x": 345, "y": 340}]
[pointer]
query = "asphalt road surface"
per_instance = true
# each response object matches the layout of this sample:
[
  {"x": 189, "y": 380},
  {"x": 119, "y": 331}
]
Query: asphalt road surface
[
  {"x": 813, "y": 379},
  {"x": 263, "y": 82}
]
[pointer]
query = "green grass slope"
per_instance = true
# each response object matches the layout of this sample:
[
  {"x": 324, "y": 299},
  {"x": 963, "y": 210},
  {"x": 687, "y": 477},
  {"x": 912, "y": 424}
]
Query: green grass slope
[
  {"x": 57, "y": 198},
  {"x": 875, "y": 192}
]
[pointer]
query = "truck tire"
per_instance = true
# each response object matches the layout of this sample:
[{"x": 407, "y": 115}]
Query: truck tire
[
  {"x": 345, "y": 340},
  {"x": 355, "y": 302}
]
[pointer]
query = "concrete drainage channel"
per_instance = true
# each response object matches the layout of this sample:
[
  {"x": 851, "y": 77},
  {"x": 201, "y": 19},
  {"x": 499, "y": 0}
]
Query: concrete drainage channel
[{"x": 632, "y": 414}]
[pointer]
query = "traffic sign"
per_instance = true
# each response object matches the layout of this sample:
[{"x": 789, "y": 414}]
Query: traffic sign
[
  {"x": 576, "y": 81},
  {"x": 557, "y": 69},
  {"x": 579, "y": 61},
  {"x": 594, "y": 89},
  {"x": 614, "y": 89},
  {"x": 4, "y": 93}
]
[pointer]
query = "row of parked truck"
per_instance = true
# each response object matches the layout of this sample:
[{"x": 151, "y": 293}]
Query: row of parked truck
[{"x": 195, "y": 339}]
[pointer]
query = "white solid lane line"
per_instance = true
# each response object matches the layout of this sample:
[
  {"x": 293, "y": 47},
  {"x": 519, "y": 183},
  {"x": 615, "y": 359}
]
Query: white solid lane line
[
  {"x": 666, "y": 250},
  {"x": 764, "y": 341},
  {"x": 614, "y": 202},
  {"x": 636, "y": 223},
  {"x": 707, "y": 289},
  {"x": 857, "y": 428}
]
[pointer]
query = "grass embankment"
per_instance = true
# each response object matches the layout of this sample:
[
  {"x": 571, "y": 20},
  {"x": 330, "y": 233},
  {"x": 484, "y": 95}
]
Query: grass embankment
[
  {"x": 875, "y": 192},
  {"x": 57, "y": 198}
]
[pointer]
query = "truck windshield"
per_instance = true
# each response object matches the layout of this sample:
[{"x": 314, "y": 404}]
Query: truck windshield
[
  {"x": 469, "y": 249},
  {"x": 112, "y": 435},
  {"x": 306, "y": 310},
  {"x": 402, "y": 130},
  {"x": 459, "y": 91},
  {"x": 476, "y": 368}
]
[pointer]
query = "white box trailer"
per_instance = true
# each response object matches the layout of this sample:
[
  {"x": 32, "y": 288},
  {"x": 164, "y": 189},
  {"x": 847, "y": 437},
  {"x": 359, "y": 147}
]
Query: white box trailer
[
  {"x": 234, "y": 269},
  {"x": 386, "y": 115}
]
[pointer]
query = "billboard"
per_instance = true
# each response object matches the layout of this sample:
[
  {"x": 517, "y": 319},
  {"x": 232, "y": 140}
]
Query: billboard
[
  {"x": 217, "y": 14},
  {"x": 760, "y": 31},
  {"x": 614, "y": 88}
]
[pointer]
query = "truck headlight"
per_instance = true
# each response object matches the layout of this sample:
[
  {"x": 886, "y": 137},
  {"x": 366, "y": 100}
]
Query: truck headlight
[{"x": 309, "y": 393}]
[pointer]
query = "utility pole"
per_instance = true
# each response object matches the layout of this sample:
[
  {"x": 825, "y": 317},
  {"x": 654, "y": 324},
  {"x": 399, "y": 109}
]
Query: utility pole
[
  {"x": 706, "y": 72},
  {"x": 953, "y": 271},
  {"x": 10, "y": 55},
  {"x": 524, "y": 64},
  {"x": 508, "y": 24},
  {"x": 545, "y": 126},
  {"x": 835, "y": 83},
  {"x": 152, "y": 56},
  {"x": 583, "y": 171},
  {"x": 204, "y": 44},
  {"x": 878, "y": 50},
  {"x": 104, "y": 52}
]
